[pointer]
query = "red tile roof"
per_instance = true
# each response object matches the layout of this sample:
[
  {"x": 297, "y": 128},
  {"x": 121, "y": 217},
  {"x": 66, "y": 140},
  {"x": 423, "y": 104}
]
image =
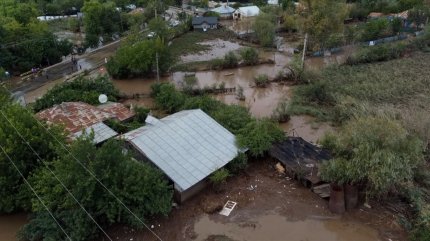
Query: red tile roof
[{"x": 76, "y": 116}]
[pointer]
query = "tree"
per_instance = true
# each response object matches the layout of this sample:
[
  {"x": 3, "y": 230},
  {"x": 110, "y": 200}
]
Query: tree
[
  {"x": 323, "y": 18},
  {"x": 373, "y": 151},
  {"x": 169, "y": 99},
  {"x": 159, "y": 27},
  {"x": 81, "y": 89},
  {"x": 264, "y": 28},
  {"x": 259, "y": 135},
  {"x": 14, "y": 193},
  {"x": 232, "y": 117},
  {"x": 139, "y": 186},
  {"x": 100, "y": 19}
]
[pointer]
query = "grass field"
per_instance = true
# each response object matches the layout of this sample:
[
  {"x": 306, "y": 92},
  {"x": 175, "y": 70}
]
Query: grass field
[{"x": 398, "y": 88}]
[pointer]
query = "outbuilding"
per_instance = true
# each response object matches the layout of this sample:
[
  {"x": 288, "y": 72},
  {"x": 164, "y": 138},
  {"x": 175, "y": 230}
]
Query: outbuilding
[
  {"x": 245, "y": 12},
  {"x": 205, "y": 23},
  {"x": 187, "y": 147}
]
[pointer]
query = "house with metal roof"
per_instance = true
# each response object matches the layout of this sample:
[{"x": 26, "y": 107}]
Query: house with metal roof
[
  {"x": 224, "y": 11},
  {"x": 79, "y": 118},
  {"x": 187, "y": 147},
  {"x": 205, "y": 23},
  {"x": 245, "y": 12}
]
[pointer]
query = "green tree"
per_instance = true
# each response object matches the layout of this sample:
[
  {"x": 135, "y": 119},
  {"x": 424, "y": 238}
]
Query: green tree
[
  {"x": 169, "y": 99},
  {"x": 159, "y": 27},
  {"x": 139, "y": 186},
  {"x": 259, "y": 135},
  {"x": 323, "y": 18},
  {"x": 81, "y": 89},
  {"x": 14, "y": 193},
  {"x": 264, "y": 27},
  {"x": 232, "y": 117},
  {"x": 373, "y": 151}
]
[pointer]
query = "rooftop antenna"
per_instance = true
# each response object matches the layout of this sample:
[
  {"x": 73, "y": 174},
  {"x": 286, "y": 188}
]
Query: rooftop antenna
[{"x": 103, "y": 98}]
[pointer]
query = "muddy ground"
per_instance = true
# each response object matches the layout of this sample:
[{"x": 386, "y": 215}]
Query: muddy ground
[{"x": 276, "y": 208}]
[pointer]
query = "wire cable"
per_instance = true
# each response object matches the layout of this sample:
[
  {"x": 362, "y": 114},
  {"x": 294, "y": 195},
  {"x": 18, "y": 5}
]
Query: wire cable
[
  {"x": 50, "y": 170},
  {"x": 98, "y": 180},
  {"x": 40, "y": 199}
]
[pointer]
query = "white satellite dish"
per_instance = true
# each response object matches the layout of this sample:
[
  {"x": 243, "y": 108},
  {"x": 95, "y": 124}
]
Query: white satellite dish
[{"x": 103, "y": 98}]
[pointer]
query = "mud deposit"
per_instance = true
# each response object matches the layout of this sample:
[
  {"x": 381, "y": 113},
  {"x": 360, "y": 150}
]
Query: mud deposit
[
  {"x": 274, "y": 227},
  {"x": 10, "y": 225},
  {"x": 218, "y": 49}
]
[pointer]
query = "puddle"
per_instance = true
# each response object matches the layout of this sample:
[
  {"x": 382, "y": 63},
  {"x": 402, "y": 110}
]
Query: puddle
[
  {"x": 305, "y": 127},
  {"x": 218, "y": 49},
  {"x": 278, "y": 228},
  {"x": 10, "y": 225}
]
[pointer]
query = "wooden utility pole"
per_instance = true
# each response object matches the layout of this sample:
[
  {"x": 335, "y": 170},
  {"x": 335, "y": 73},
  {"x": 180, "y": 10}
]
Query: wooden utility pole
[
  {"x": 304, "y": 51},
  {"x": 158, "y": 73}
]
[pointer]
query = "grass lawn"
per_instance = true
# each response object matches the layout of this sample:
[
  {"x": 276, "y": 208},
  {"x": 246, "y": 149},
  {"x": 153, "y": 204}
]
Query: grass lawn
[{"x": 399, "y": 88}]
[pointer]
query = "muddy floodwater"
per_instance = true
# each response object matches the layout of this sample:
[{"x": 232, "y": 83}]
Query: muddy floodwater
[
  {"x": 275, "y": 227},
  {"x": 10, "y": 225},
  {"x": 306, "y": 127},
  {"x": 218, "y": 49}
]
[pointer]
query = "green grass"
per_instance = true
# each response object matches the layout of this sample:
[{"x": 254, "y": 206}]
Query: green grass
[{"x": 398, "y": 88}]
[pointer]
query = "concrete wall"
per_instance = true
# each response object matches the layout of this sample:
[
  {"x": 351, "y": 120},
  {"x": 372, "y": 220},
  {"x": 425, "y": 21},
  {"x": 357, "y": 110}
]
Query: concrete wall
[{"x": 181, "y": 196}]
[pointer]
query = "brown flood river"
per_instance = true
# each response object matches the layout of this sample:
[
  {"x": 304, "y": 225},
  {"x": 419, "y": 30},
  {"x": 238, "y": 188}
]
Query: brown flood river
[
  {"x": 274, "y": 227},
  {"x": 10, "y": 225}
]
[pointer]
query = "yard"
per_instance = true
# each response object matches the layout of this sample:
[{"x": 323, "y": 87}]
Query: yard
[{"x": 271, "y": 207}]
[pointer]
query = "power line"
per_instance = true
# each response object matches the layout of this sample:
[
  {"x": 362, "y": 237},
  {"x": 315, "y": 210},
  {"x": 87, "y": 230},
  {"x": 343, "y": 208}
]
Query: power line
[
  {"x": 98, "y": 180},
  {"x": 50, "y": 170},
  {"x": 40, "y": 199}
]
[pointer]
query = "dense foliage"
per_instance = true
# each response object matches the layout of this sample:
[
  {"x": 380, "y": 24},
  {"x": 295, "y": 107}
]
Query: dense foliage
[
  {"x": 14, "y": 193},
  {"x": 80, "y": 89},
  {"x": 140, "y": 59},
  {"x": 376, "y": 152},
  {"x": 249, "y": 56},
  {"x": 139, "y": 186},
  {"x": 27, "y": 42},
  {"x": 259, "y": 135},
  {"x": 264, "y": 27}
]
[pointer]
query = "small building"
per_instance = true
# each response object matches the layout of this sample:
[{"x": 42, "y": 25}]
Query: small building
[
  {"x": 273, "y": 2},
  {"x": 80, "y": 118},
  {"x": 187, "y": 147},
  {"x": 300, "y": 158},
  {"x": 205, "y": 23},
  {"x": 245, "y": 12},
  {"x": 224, "y": 11}
]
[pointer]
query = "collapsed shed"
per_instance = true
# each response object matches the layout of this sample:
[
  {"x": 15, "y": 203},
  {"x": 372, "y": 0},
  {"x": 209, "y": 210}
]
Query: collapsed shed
[{"x": 300, "y": 158}]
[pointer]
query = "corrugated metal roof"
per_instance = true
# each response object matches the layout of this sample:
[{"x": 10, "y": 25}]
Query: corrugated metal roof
[
  {"x": 101, "y": 131},
  {"x": 224, "y": 9},
  {"x": 187, "y": 146},
  {"x": 249, "y": 11},
  {"x": 200, "y": 20},
  {"x": 118, "y": 110}
]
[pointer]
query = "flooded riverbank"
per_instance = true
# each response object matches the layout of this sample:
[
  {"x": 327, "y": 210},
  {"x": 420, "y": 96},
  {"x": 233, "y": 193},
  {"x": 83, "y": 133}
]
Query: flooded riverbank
[
  {"x": 10, "y": 225},
  {"x": 274, "y": 227}
]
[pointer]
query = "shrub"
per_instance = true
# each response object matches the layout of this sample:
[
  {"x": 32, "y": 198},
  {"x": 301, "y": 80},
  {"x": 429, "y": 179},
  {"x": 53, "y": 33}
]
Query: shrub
[
  {"x": 232, "y": 117},
  {"x": 217, "y": 63},
  {"x": 377, "y": 53},
  {"x": 81, "y": 89},
  {"x": 230, "y": 60},
  {"x": 259, "y": 135},
  {"x": 189, "y": 83},
  {"x": 261, "y": 80},
  {"x": 168, "y": 98},
  {"x": 249, "y": 56},
  {"x": 280, "y": 113},
  {"x": 141, "y": 113},
  {"x": 239, "y": 163},
  {"x": 219, "y": 176}
]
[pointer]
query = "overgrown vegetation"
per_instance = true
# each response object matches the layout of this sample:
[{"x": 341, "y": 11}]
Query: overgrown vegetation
[
  {"x": 256, "y": 135},
  {"x": 81, "y": 89}
]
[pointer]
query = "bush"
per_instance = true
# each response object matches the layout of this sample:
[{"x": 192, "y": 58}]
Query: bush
[
  {"x": 377, "y": 53},
  {"x": 141, "y": 113},
  {"x": 280, "y": 113},
  {"x": 230, "y": 60},
  {"x": 189, "y": 83},
  {"x": 239, "y": 163},
  {"x": 217, "y": 64},
  {"x": 259, "y": 135},
  {"x": 168, "y": 98},
  {"x": 249, "y": 56},
  {"x": 261, "y": 80},
  {"x": 219, "y": 176},
  {"x": 375, "y": 152},
  {"x": 232, "y": 117},
  {"x": 81, "y": 89}
]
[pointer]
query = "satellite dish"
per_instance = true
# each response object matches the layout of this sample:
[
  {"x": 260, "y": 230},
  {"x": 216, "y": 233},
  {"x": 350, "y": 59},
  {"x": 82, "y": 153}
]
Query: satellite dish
[{"x": 103, "y": 98}]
